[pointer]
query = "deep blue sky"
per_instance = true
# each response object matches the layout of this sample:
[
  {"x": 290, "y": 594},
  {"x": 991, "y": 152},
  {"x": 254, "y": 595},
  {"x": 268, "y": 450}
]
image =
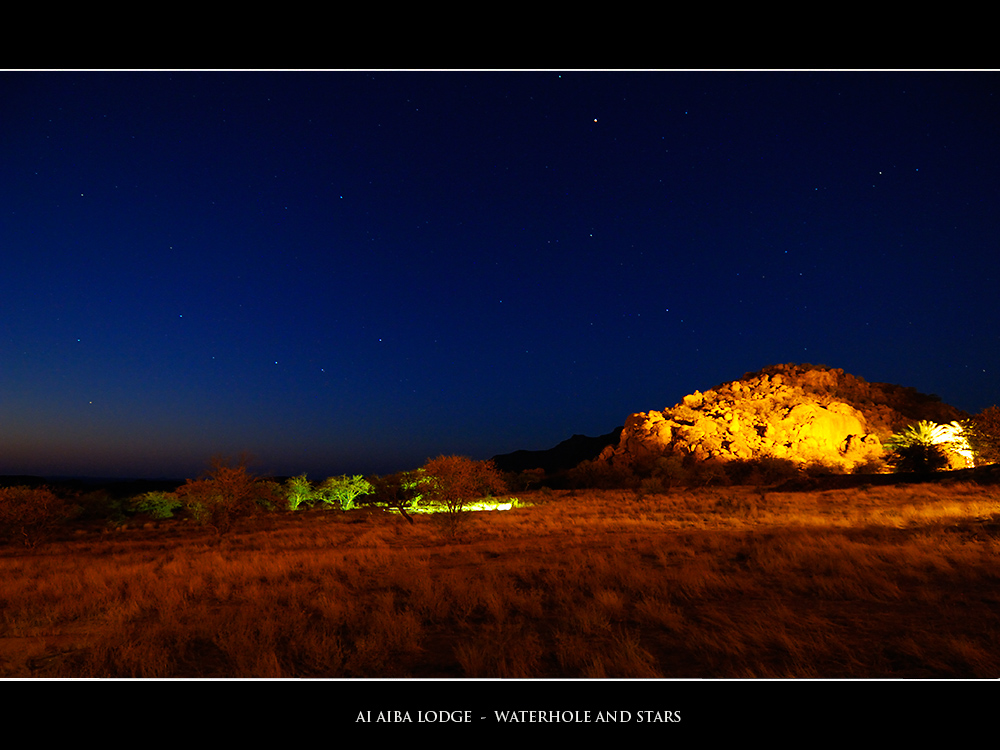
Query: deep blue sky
[{"x": 355, "y": 271}]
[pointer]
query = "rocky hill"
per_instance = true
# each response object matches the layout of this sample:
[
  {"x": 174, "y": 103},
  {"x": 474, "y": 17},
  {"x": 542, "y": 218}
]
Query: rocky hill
[{"x": 803, "y": 413}]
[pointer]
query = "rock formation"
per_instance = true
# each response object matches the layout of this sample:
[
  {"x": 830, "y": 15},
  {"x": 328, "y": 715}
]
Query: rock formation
[{"x": 803, "y": 413}]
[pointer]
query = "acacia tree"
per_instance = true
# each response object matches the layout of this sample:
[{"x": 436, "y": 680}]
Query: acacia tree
[
  {"x": 455, "y": 480},
  {"x": 343, "y": 490},
  {"x": 399, "y": 491},
  {"x": 226, "y": 493},
  {"x": 298, "y": 491}
]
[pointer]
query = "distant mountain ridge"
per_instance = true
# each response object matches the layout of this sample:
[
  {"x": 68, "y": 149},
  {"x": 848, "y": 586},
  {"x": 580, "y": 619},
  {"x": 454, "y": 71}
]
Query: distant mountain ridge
[
  {"x": 115, "y": 486},
  {"x": 565, "y": 456}
]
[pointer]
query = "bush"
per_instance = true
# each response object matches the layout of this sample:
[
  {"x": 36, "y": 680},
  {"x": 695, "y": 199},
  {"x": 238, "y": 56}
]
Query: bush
[
  {"x": 762, "y": 471},
  {"x": 983, "y": 433},
  {"x": 227, "y": 494},
  {"x": 99, "y": 504},
  {"x": 711, "y": 472},
  {"x": 919, "y": 458},
  {"x": 158, "y": 505},
  {"x": 669, "y": 472},
  {"x": 821, "y": 467},
  {"x": 601, "y": 475},
  {"x": 524, "y": 480},
  {"x": 29, "y": 514},
  {"x": 871, "y": 465}
]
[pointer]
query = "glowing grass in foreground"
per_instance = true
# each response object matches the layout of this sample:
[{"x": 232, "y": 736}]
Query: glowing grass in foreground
[
  {"x": 871, "y": 582},
  {"x": 484, "y": 504}
]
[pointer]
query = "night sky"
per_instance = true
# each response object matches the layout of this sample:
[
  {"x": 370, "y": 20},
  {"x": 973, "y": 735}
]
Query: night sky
[{"x": 351, "y": 272}]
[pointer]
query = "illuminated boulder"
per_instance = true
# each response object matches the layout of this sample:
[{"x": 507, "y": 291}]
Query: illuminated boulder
[
  {"x": 801, "y": 413},
  {"x": 823, "y": 430}
]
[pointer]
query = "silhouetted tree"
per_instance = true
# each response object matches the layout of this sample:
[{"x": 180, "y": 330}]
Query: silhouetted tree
[
  {"x": 228, "y": 492},
  {"x": 524, "y": 480},
  {"x": 400, "y": 491},
  {"x": 29, "y": 514}
]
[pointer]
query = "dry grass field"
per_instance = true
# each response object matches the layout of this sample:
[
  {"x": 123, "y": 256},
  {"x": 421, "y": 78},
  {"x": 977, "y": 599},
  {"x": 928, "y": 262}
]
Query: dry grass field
[{"x": 873, "y": 582}]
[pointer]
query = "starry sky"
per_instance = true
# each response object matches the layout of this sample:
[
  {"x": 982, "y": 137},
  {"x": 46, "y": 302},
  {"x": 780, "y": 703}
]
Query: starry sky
[{"x": 353, "y": 271}]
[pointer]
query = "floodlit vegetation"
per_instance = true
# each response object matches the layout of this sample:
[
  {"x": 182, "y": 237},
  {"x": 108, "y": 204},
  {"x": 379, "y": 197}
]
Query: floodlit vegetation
[
  {"x": 738, "y": 581},
  {"x": 983, "y": 433},
  {"x": 927, "y": 446},
  {"x": 338, "y": 492}
]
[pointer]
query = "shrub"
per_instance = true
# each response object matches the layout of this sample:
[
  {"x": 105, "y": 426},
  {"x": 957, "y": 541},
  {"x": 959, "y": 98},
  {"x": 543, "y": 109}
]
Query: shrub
[
  {"x": 601, "y": 475},
  {"x": 760, "y": 471},
  {"x": 99, "y": 504},
  {"x": 710, "y": 472},
  {"x": 29, "y": 514},
  {"x": 983, "y": 433},
  {"x": 871, "y": 465},
  {"x": 821, "y": 467},
  {"x": 670, "y": 471},
  {"x": 227, "y": 494},
  {"x": 524, "y": 480},
  {"x": 159, "y": 505},
  {"x": 918, "y": 457}
]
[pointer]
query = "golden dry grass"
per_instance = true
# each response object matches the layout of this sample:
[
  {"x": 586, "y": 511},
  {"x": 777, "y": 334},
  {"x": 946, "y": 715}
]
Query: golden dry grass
[{"x": 736, "y": 582}]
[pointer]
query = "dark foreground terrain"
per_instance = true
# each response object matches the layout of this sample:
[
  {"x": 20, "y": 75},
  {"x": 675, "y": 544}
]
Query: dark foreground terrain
[{"x": 868, "y": 582}]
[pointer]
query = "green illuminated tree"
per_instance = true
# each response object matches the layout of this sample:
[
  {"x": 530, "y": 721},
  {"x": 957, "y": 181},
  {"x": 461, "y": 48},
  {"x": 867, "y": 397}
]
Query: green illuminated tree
[
  {"x": 298, "y": 491},
  {"x": 158, "y": 505},
  {"x": 343, "y": 490}
]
